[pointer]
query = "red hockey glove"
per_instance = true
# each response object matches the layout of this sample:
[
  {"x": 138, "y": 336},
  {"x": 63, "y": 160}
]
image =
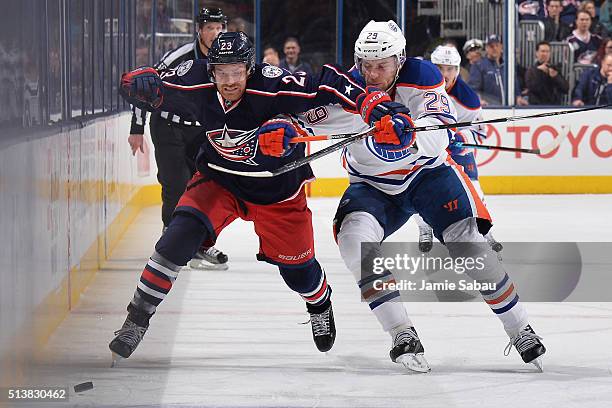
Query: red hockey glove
[
  {"x": 373, "y": 104},
  {"x": 274, "y": 136},
  {"x": 391, "y": 131},
  {"x": 143, "y": 84}
]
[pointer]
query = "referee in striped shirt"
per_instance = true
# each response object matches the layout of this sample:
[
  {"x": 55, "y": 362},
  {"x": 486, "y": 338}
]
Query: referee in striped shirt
[{"x": 177, "y": 144}]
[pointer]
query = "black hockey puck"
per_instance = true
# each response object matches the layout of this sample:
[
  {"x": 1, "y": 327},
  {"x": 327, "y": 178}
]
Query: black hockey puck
[{"x": 86, "y": 386}]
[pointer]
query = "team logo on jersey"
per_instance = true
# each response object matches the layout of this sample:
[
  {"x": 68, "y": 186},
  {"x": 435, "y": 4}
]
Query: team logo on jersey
[
  {"x": 184, "y": 68},
  {"x": 270, "y": 71},
  {"x": 235, "y": 145},
  {"x": 388, "y": 155}
]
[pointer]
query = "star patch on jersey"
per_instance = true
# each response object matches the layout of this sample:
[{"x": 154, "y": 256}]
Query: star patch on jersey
[
  {"x": 184, "y": 68},
  {"x": 270, "y": 71},
  {"x": 235, "y": 145}
]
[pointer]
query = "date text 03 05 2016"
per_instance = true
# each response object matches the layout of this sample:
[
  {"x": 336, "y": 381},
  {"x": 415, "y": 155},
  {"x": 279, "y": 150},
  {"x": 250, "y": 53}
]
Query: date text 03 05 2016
[{"x": 33, "y": 394}]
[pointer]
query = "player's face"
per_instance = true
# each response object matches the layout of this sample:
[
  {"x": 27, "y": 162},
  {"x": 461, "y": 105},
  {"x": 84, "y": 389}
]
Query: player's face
[
  {"x": 380, "y": 73},
  {"x": 231, "y": 80},
  {"x": 449, "y": 72},
  {"x": 208, "y": 32}
]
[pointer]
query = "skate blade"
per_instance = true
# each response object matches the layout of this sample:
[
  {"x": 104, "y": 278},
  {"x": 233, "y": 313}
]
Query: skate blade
[
  {"x": 539, "y": 364},
  {"x": 206, "y": 266},
  {"x": 414, "y": 362},
  {"x": 116, "y": 358}
]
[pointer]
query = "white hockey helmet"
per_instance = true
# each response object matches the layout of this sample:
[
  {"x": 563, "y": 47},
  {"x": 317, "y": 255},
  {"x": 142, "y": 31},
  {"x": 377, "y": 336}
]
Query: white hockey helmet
[
  {"x": 446, "y": 55},
  {"x": 378, "y": 40}
]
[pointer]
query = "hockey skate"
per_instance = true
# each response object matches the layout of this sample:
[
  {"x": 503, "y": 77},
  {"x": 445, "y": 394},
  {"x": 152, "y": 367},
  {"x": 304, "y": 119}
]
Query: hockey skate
[
  {"x": 425, "y": 238},
  {"x": 495, "y": 245},
  {"x": 408, "y": 350},
  {"x": 209, "y": 259},
  {"x": 129, "y": 336},
  {"x": 529, "y": 346},
  {"x": 323, "y": 327}
]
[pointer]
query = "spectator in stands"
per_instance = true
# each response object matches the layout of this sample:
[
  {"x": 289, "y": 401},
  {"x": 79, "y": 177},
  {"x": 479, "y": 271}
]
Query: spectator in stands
[
  {"x": 605, "y": 15},
  {"x": 270, "y": 56},
  {"x": 585, "y": 43},
  {"x": 605, "y": 49},
  {"x": 554, "y": 28},
  {"x": 487, "y": 76},
  {"x": 595, "y": 85},
  {"x": 596, "y": 26},
  {"x": 570, "y": 8},
  {"x": 473, "y": 50},
  {"x": 546, "y": 86},
  {"x": 292, "y": 62}
]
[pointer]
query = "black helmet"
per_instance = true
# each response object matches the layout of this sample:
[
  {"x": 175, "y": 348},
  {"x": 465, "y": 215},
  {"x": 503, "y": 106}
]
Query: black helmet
[
  {"x": 211, "y": 15},
  {"x": 231, "y": 48}
]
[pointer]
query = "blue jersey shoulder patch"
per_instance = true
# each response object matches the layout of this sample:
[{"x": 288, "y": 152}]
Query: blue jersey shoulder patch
[
  {"x": 465, "y": 95},
  {"x": 419, "y": 74}
]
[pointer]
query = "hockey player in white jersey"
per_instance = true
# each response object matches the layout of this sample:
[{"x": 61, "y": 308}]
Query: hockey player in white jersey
[
  {"x": 467, "y": 105},
  {"x": 396, "y": 174}
]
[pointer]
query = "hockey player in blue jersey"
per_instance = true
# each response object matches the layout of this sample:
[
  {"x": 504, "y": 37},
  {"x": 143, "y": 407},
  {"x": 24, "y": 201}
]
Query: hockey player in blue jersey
[
  {"x": 467, "y": 106},
  {"x": 237, "y": 103},
  {"x": 395, "y": 174}
]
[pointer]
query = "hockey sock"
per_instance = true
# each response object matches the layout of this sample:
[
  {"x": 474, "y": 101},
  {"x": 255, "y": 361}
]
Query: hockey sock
[
  {"x": 155, "y": 282},
  {"x": 310, "y": 282},
  {"x": 358, "y": 227},
  {"x": 463, "y": 240},
  {"x": 174, "y": 249}
]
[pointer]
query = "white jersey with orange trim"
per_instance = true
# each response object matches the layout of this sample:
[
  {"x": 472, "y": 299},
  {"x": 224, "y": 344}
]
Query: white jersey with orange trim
[
  {"x": 467, "y": 104},
  {"x": 420, "y": 87}
]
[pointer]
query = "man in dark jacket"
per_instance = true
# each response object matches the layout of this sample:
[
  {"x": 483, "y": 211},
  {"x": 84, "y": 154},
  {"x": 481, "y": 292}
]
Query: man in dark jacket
[
  {"x": 292, "y": 62},
  {"x": 595, "y": 85},
  {"x": 554, "y": 28},
  {"x": 545, "y": 84},
  {"x": 487, "y": 76}
]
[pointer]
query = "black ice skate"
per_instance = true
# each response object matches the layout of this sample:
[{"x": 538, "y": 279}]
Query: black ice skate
[
  {"x": 323, "y": 327},
  {"x": 425, "y": 239},
  {"x": 529, "y": 346},
  {"x": 131, "y": 333},
  {"x": 209, "y": 259},
  {"x": 408, "y": 350}
]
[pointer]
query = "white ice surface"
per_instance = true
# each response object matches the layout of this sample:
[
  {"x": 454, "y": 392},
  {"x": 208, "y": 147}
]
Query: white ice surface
[{"x": 233, "y": 338}]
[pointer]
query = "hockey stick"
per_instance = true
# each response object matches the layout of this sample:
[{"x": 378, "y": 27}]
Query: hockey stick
[
  {"x": 541, "y": 151},
  {"x": 350, "y": 139},
  {"x": 502, "y": 148},
  {"x": 299, "y": 162},
  {"x": 459, "y": 124}
]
